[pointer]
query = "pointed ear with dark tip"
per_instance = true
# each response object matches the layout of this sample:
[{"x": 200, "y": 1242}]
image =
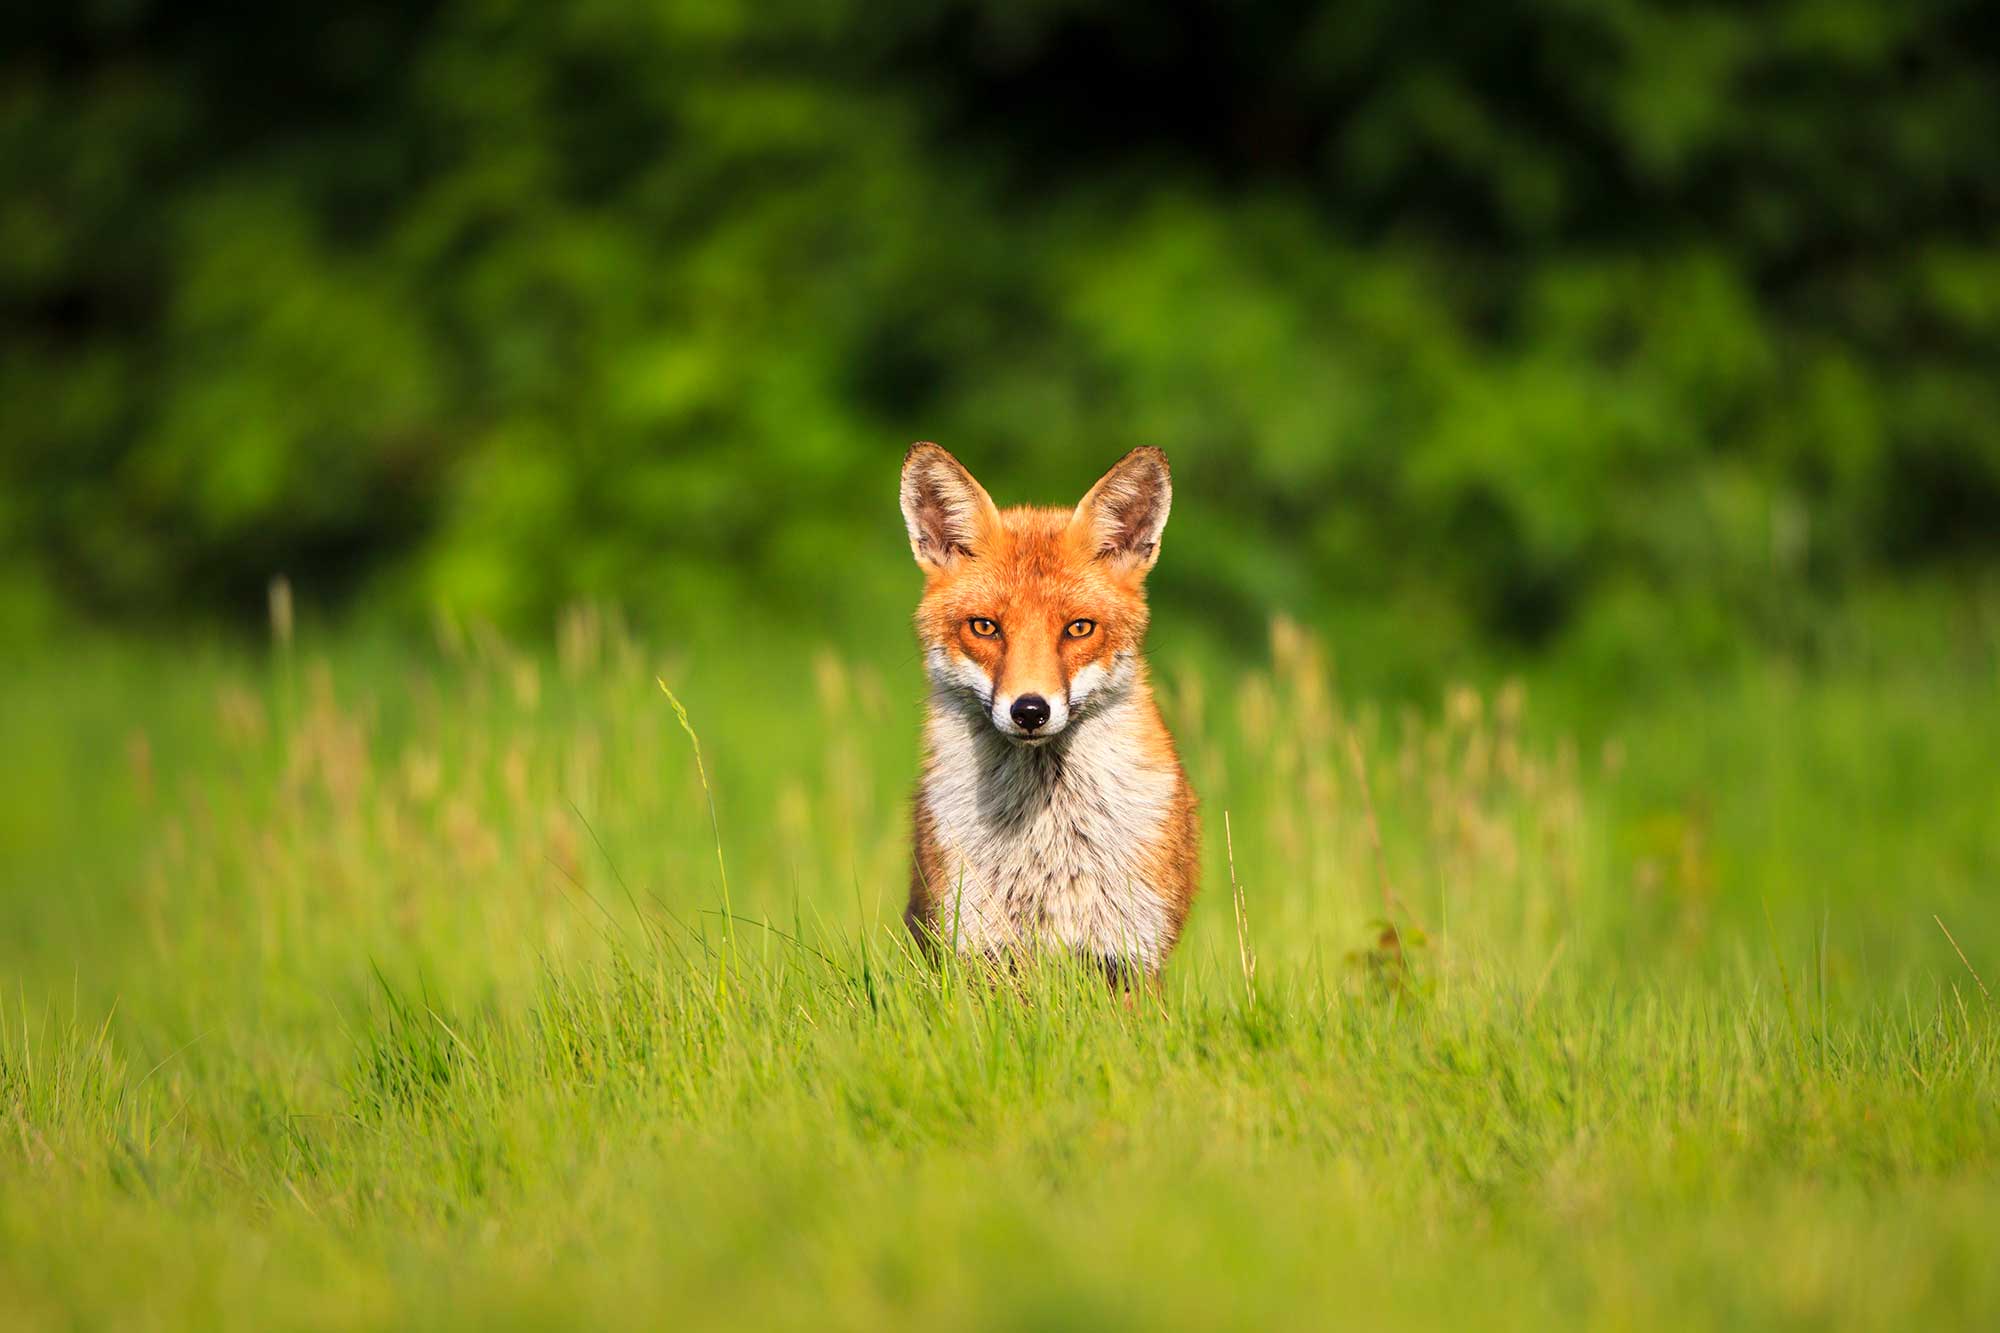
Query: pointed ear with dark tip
[
  {"x": 1126, "y": 510},
  {"x": 948, "y": 513}
]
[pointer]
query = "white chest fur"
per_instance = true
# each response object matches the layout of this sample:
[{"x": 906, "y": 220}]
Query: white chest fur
[{"x": 1049, "y": 843}]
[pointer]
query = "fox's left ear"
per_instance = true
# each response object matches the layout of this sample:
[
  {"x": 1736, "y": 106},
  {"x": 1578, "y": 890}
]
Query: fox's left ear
[
  {"x": 950, "y": 516},
  {"x": 1125, "y": 512}
]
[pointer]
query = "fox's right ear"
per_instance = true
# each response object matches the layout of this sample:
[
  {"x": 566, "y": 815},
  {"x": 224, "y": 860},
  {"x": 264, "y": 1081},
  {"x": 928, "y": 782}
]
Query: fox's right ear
[
  {"x": 948, "y": 513},
  {"x": 1125, "y": 512}
]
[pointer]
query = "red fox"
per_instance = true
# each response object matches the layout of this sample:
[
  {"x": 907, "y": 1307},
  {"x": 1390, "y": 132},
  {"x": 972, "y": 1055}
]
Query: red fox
[{"x": 1052, "y": 811}]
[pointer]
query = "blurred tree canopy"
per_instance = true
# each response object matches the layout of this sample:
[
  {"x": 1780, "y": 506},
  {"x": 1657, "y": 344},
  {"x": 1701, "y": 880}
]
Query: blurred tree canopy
[{"x": 1566, "y": 318}]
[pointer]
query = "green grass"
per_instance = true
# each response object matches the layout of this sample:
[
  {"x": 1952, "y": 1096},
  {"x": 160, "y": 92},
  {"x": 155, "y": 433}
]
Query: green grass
[{"x": 384, "y": 987}]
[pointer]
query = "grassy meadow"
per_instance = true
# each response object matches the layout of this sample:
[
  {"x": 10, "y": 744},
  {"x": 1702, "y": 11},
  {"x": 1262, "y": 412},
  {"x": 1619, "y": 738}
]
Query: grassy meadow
[
  {"x": 1601, "y": 922},
  {"x": 357, "y": 985}
]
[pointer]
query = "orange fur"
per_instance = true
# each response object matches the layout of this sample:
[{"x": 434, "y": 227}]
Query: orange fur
[{"x": 1084, "y": 834}]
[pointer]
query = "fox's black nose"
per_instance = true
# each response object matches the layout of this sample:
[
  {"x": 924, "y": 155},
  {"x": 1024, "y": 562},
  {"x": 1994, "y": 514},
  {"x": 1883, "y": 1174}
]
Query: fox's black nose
[{"x": 1029, "y": 711}]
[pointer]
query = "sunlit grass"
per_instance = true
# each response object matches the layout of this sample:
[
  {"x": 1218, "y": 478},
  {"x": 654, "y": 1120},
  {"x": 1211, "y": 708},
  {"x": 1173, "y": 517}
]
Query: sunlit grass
[{"x": 392, "y": 988}]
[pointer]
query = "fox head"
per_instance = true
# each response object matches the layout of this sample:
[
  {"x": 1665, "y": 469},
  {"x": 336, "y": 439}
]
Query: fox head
[{"x": 1033, "y": 616}]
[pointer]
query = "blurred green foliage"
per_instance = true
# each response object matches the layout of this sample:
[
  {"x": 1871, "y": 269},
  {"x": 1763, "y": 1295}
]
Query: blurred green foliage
[{"x": 1526, "y": 322}]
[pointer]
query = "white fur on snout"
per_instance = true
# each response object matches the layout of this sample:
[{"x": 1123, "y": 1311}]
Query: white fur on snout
[
  {"x": 1102, "y": 684},
  {"x": 959, "y": 675},
  {"x": 1086, "y": 683},
  {"x": 1096, "y": 684},
  {"x": 1003, "y": 716}
]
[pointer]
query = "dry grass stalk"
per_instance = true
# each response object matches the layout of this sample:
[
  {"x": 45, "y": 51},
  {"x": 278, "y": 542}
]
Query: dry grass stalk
[{"x": 1246, "y": 957}]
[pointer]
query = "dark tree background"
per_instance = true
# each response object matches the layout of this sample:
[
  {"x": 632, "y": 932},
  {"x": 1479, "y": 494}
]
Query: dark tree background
[{"x": 1512, "y": 323}]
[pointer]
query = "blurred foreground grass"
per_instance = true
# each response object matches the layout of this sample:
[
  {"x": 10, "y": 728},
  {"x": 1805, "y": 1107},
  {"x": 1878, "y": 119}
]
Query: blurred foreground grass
[{"x": 364, "y": 986}]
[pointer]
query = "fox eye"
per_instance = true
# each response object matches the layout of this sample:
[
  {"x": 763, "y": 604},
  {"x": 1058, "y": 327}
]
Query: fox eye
[
  {"x": 1080, "y": 629},
  {"x": 983, "y": 627}
]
